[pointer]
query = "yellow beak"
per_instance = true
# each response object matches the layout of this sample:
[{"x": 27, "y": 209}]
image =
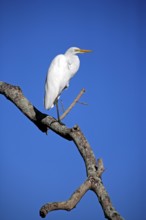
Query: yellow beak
[{"x": 83, "y": 51}]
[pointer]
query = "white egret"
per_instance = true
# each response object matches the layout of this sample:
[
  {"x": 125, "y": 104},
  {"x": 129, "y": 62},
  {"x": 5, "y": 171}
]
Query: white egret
[{"x": 61, "y": 70}]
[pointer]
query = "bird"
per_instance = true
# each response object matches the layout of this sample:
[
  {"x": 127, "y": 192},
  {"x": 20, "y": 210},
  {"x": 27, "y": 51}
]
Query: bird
[{"x": 62, "y": 68}]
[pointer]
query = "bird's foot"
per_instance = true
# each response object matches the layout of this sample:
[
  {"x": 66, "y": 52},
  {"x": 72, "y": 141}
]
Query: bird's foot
[{"x": 60, "y": 122}]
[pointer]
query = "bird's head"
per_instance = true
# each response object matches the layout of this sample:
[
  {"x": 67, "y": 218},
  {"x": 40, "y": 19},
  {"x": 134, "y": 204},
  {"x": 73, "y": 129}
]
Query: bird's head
[{"x": 75, "y": 50}]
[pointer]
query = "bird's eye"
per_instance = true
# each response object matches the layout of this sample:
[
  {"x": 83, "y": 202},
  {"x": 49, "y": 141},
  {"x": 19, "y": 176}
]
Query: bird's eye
[{"x": 77, "y": 50}]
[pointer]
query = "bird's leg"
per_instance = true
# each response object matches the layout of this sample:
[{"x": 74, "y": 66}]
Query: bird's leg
[
  {"x": 58, "y": 116},
  {"x": 57, "y": 109}
]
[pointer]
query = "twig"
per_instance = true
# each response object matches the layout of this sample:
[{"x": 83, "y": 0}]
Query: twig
[
  {"x": 73, "y": 104},
  {"x": 82, "y": 103}
]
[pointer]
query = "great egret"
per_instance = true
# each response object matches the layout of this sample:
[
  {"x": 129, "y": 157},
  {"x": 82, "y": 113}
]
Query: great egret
[{"x": 61, "y": 70}]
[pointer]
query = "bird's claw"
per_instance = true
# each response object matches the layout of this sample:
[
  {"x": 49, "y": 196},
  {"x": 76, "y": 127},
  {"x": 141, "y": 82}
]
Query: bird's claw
[{"x": 60, "y": 122}]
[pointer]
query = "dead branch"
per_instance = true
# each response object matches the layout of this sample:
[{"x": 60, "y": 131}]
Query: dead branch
[
  {"x": 73, "y": 104},
  {"x": 94, "y": 169},
  {"x": 70, "y": 203}
]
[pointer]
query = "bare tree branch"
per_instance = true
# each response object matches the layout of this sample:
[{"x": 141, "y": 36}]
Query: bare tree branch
[
  {"x": 42, "y": 121},
  {"x": 70, "y": 203},
  {"x": 94, "y": 169},
  {"x": 73, "y": 104}
]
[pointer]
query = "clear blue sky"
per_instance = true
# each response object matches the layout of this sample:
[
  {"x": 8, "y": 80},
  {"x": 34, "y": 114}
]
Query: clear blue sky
[{"x": 36, "y": 168}]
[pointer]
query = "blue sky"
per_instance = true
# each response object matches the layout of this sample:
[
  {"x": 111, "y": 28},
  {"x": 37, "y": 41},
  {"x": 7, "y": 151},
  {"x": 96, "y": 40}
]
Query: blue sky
[{"x": 36, "y": 168}]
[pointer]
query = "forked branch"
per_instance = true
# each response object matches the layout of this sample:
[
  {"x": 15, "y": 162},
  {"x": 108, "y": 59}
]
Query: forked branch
[{"x": 94, "y": 168}]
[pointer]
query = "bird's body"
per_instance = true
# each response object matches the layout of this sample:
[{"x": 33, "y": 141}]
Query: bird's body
[{"x": 61, "y": 70}]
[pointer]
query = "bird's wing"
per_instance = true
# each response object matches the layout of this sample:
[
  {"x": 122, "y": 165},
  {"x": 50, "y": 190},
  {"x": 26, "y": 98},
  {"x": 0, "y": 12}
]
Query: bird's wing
[{"x": 57, "y": 79}]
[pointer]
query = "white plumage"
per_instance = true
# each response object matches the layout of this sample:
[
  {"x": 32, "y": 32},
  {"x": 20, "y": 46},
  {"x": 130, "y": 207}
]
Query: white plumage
[{"x": 61, "y": 70}]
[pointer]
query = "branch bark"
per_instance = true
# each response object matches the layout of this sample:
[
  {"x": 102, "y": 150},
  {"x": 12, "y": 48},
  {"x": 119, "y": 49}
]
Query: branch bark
[
  {"x": 94, "y": 168},
  {"x": 70, "y": 203}
]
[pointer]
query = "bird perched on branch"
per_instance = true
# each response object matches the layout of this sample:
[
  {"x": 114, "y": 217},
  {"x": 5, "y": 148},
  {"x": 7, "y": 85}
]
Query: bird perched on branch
[{"x": 62, "y": 69}]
